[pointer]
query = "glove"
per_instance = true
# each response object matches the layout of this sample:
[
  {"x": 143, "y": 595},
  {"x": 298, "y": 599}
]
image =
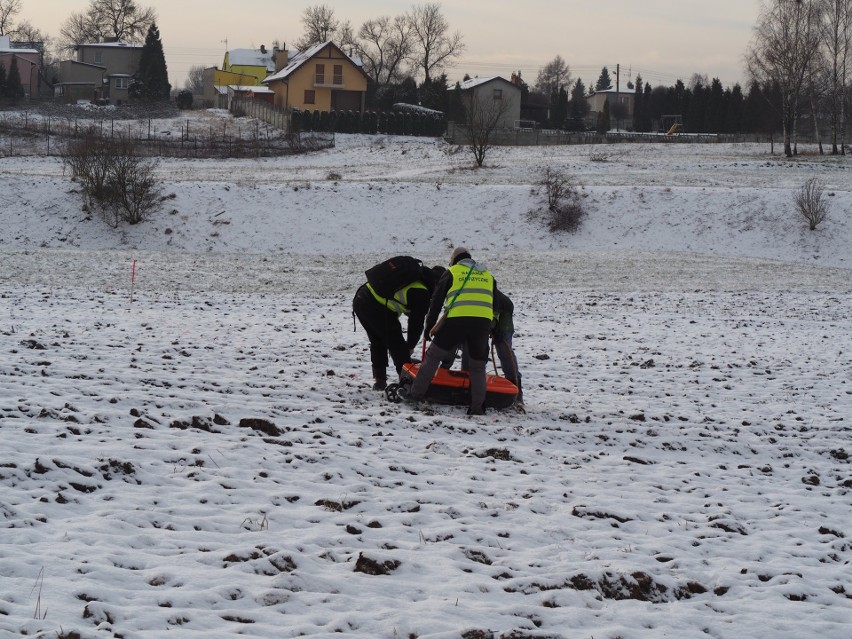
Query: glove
[{"x": 497, "y": 336}]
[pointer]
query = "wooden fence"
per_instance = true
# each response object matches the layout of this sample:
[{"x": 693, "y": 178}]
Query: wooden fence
[{"x": 276, "y": 117}]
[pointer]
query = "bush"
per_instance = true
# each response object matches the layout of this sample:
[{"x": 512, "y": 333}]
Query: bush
[
  {"x": 562, "y": 202},
  {"x": 116, "y": 181},
  {"x": 184, "y": 99},
  {"x": 811, "y": 203}
]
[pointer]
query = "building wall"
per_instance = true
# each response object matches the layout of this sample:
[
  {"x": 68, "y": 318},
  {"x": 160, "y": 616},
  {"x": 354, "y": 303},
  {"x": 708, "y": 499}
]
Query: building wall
[
  {"x": 247, "y": 74},
  {"x": 116, "y": 58},
  {"x": 80, "y": 81},
  {"x": 292, "y": 94},
  {"x": 625, "y": 98},
  {"x": 510, "y": 99},
  {"x": 28, "y": 65},
  {"x": 120, "y": 62}
]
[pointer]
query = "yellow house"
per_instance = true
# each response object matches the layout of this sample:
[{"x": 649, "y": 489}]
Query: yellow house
[
  {"x": 247, "y": 66},
  {"x": 321, "y": 78}
]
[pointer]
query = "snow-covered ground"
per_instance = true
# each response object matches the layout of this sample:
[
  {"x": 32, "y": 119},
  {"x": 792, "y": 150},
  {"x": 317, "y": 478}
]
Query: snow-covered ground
[{"x": 198, "y": 453}]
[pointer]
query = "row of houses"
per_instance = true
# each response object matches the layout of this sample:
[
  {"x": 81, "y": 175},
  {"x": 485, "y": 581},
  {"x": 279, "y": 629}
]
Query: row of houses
[{"x": 321, "y": 78}]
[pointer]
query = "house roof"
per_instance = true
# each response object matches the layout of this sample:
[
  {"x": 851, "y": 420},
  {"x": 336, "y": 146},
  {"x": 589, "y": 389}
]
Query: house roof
[
  {"x": 6, "y": 46},
  {"x": 475, "y": 82},
  {"x": 620, "y": 90},
  {"x": 251, "y": 58},
  {"x": 111, "y": 45},
  {"x": 85, "y": 64},
  {"x": 302, "y": 57},
  {"x": 253, "y": 88}
]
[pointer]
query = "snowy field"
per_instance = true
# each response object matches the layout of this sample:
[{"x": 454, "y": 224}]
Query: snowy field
[{"x": 198, "y": 453}]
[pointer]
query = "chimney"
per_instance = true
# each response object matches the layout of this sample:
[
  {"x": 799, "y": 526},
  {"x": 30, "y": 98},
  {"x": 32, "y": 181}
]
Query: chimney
[{"x": 281, "y": 58}]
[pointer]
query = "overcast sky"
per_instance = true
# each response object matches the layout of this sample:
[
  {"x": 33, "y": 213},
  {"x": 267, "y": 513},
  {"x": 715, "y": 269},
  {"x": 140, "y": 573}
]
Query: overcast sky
[{"x": 662, "y": 40}]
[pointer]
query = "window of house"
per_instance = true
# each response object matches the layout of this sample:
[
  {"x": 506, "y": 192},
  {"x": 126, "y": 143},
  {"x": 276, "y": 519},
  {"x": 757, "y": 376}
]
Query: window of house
[
  {"x": 310, "y": 96},
  {"x": 99, "y": 57},
  {"x": 498, "y": 94},
  {"x": 122, "y": 83},
  {"x": 320, "y": 79},
  {"x": 337, "y": 78}
]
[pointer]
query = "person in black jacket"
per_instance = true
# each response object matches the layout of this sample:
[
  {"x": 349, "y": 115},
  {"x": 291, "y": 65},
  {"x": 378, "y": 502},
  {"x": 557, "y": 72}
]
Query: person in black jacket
[{"x": 380, "y": 317}]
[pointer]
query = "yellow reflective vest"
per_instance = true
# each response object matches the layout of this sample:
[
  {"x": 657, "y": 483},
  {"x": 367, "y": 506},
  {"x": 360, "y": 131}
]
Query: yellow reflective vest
[
  {"x": 399, "y": 302},
  {"x": 470, "y": 296}
]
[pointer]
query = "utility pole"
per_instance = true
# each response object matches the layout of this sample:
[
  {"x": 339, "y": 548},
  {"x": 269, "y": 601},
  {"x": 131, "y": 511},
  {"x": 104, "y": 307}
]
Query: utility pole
[{"x": 617, "y": 98}]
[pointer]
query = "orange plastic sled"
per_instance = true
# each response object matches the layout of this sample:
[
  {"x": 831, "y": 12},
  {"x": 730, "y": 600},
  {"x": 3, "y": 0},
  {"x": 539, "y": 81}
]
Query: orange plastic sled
[{"x": 453, "y": 387}]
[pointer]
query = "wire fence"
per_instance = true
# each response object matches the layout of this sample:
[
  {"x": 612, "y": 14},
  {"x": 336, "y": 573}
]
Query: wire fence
[
  {"x": 460, "y": 134},
  {"x": 44, "y": 132}
]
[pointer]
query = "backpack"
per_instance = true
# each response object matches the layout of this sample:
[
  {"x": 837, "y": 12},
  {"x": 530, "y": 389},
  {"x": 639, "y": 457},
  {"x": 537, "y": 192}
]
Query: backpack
[{"x": 389, "y": 276}]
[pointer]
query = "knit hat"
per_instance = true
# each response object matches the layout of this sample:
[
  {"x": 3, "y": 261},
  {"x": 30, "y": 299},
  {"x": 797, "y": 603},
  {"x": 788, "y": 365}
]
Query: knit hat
[{"x": 459, "y": 253}]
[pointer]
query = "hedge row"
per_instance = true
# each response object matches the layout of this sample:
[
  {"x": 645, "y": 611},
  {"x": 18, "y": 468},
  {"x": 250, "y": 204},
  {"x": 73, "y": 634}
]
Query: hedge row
[{"x": 386, "y": 122}]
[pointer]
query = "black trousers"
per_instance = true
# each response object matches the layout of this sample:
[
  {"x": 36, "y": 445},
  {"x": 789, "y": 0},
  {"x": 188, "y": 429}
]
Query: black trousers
[{"x": 384, "y": 332}]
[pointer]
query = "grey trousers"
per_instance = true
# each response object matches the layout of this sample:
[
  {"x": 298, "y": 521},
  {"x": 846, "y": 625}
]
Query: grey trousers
[{"x": 434, "y": 356}]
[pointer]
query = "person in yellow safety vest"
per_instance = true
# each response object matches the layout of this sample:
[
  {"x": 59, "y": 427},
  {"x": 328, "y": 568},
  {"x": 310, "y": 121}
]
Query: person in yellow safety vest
[
  {"x": 502, "y": 331},
  {"x": 380, "y": 317},
  {"x": 465, "y": 293}
]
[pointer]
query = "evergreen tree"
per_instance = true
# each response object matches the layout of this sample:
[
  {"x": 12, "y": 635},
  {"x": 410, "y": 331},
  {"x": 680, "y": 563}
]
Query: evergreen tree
[
  {"x": 638, "y": 104},
  {"x": 406, "y": 91},
  {"x": 14, "y": 88},
  {"x": 151, "y": 81},
  {"x": 578, "y": 107},
  {"x": 753, "y": 109},
  {"x": 696, "y": 110},
  {"x": 657, "y": 104},
  {"x": 717, "y": 108},
  {"x": 649, "y": 122},
  {"x": 434, "y": 93},
  {"x": 734, "y": 115},
  {"x": 604, "y": 81},
  {"x": 603, "y": 124},
  {"x": 559, "y": 109},
  {"x": 680, "y": 99},
  {"x": 455, "y": 108}
]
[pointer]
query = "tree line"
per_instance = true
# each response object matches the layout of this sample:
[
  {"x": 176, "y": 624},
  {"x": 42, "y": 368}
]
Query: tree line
[{"x": 799, "y": 64}]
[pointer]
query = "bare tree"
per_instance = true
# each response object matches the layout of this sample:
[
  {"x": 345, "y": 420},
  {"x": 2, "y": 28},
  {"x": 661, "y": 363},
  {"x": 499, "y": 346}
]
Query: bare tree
[
  {"x": 816, "y": 88},
  {"x": 321, "y": 25},
  {"x": 836, "y": 35},
  {"x": 553, "y": 76},
  {"x": 195, "y": 79},
  {"x": 121, "y": 20},
  {"x": 484, "y": 113},
  {"x": 698, "y": 79},
  {"x": 8, "y": 10},
  {"x": 434, "y": 47},
  {"x": 26, "y": 32},
  {"x": 785, "y": 41},
  {"x": 384, "y": 44}
]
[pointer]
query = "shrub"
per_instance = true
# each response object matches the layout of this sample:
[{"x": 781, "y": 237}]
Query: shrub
[
  {"x": 134, "y": 192},
  {"x": 562, "y": 202},
  {"x": 811, "y": 203},
  {"x": 115, "y": 179},
  {"x": 184, "y": 99}
]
